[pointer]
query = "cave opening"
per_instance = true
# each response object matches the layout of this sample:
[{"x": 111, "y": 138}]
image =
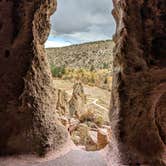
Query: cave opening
[
  {"x": 28, "y": 125},
  {"x": 80, "y": 54}
]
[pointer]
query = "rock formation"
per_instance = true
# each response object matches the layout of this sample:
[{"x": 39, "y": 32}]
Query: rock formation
[
  {"x": 139, "y": 83},
  {"x": 78, "y": 101},
  {"x": 62, "y": 104},
  {"x": 27, "y": 108}
]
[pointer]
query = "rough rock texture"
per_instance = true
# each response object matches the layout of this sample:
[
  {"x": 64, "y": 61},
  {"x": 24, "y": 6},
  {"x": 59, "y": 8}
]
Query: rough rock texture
[
  {"x": 28, "y": 122},
  {"x": 78, "y": 101},
  {"x": 97, "y": 54},
  {"x": 62, "y": 104},
  {"x": 102, "y": 137},
  {"x": 139, "y": 84}
]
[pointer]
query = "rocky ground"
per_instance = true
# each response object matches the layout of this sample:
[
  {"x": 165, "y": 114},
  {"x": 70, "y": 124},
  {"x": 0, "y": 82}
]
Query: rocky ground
[{"x": 83, "y": 110}]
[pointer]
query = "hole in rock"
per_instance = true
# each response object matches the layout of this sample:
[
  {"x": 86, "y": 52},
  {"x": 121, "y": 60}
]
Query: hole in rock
[
  {"x": 7, "y": 53},
  {"x": 80, "y": 54},
  {"x": 1, "y": 25}
]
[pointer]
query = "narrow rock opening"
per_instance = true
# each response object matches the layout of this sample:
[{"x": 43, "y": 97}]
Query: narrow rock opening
[{"x": 80, "y": 54}]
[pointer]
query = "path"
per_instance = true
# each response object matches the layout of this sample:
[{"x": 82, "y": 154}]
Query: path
[{"x": 95, "y": 103}]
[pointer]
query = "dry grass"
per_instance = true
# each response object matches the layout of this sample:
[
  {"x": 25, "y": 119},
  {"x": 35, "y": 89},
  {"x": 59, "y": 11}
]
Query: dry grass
[{"x": 101, "y": 78}]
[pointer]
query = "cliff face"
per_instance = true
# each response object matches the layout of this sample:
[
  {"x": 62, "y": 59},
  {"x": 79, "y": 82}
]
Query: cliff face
[
  {"x": 27, "y": 110},
  {"x": 96, "y": 54},
  {"x": 139, "y": 84}
]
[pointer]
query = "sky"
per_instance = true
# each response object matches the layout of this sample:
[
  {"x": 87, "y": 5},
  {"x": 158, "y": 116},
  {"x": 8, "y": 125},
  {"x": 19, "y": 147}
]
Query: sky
[{"x": 81, "y": 21}]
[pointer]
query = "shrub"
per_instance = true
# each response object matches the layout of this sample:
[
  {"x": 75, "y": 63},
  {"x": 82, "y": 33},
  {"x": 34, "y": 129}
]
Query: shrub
[
  {"x": 106, "y": 81},
  {"x": 57, "y": 71},
  {"x": 105, "y": 65},
  {"x": 92, "y": 68},
  {"x": 100, "y": 78}
]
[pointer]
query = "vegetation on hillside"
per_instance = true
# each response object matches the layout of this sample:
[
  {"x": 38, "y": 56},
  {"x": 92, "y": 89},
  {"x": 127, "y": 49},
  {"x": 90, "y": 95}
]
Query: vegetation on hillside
[
  {"x": 101, "y": 78},
  {"x": 57, "y": 71},
  {"x": 99, "y": 54}
]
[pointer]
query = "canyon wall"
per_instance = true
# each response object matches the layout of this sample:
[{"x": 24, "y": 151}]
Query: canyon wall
[
  {"x": 28, "y": 121},
  {"x": 138, "y": 105}
]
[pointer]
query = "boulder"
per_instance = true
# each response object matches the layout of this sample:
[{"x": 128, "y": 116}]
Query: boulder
[
  {"x": 92, "y": 138},
  {"x": 81, "y": 131},
  {"x": 94, "y": 115},
  {"x": 91, "y": 142},
  {"x": 102, "y": 138},
  {"x": 73, "y": 124}
]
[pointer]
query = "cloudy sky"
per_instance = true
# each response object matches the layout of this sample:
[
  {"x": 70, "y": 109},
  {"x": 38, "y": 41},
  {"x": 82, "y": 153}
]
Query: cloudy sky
[{"x": 80, "y": 21}]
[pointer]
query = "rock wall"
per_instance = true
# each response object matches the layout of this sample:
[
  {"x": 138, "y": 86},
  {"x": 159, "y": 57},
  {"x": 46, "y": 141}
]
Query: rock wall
[
  {"x": 139, "y": 84},
  {"x": 28, "y": 122}
]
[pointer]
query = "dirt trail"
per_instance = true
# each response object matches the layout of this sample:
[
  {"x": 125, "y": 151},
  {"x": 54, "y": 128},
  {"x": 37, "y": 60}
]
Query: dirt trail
[{"x": 95, "y": 103}]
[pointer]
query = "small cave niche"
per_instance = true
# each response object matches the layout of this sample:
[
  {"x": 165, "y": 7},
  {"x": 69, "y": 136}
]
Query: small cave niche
[
  {"x": 158, "y": 50},
  {"x": 1, "y": 24},
  {"x": 138, "y": 68},
  {"x": 7, "y": 53}
]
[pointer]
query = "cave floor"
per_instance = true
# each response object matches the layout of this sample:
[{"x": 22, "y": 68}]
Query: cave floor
[
  {"x": 77, "y": 158},
  {"x": 72, "y": 158},
  {"x": 69, "y": 155}
]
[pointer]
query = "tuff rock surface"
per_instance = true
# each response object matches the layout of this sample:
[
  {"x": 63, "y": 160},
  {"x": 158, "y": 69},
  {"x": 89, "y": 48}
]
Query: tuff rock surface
[
  {"x": 28, "y": 121},
  {"x": 138, "y": 103},
  {"x": 78, "y": 101},
  {"x": 62, "y": 104}
]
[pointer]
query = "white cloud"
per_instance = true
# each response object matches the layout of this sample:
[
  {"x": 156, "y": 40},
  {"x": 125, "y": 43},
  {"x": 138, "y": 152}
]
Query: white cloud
[
  {"x": 52, "y": 44},
  {"x": 87, "y": 36},
  {"x": 84, "y": 20}
]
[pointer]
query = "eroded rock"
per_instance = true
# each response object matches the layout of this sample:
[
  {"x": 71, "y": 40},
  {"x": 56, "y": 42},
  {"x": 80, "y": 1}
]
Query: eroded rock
[
  {"x": 91, "y": 114},
  {"x": 62, "y": 104},
  {"x": 102, "y": 137},
  {"x": 81, "y": 131},
  {"x": 77, "y": 104},
  {"x": 27, "y": 108},
  {"x": 91, "y": 141},
  {"x": 139, "y": 80}
]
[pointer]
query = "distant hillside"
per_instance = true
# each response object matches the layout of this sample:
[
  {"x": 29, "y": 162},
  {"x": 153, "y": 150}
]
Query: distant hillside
[{"x": 88, "y": 55}]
